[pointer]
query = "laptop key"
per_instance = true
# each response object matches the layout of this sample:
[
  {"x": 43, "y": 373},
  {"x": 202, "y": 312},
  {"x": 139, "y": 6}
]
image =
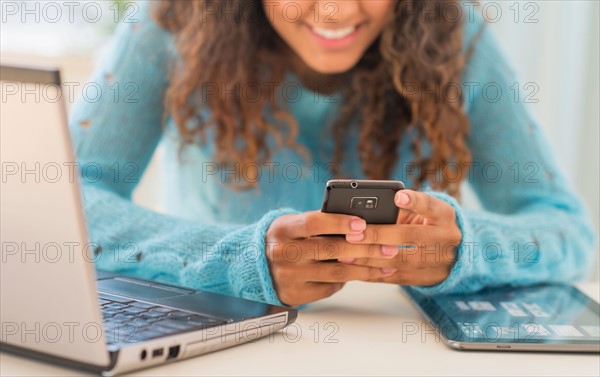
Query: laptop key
[
  {"x": 115, "y": 305},
  {"x": 152, "y": 314},
  {"x": 110, "y": 325},
  {"x": 139, "y": 322},
  {"x": 134, "y": 310},
  {"x": 120, "y": 319},
  {"x": 124, "y": 315}
]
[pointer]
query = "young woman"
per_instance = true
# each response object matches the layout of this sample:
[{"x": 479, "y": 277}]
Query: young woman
[{"x": 257, "y": 104}]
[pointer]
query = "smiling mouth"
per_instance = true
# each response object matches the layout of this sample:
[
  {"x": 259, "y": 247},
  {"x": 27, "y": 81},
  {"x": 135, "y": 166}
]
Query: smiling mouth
[{"x": 334, "y": 34}]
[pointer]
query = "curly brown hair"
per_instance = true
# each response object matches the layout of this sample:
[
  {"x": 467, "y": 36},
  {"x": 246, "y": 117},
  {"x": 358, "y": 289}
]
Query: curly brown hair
[{"x": 389, "y": 91}]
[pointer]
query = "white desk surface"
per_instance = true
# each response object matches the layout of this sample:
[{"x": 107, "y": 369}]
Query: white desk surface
[{"x": 363, "y": 330}]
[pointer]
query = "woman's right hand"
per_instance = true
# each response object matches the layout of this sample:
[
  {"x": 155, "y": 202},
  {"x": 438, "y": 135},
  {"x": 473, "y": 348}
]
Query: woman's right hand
[{"x": 305, "y": 265}]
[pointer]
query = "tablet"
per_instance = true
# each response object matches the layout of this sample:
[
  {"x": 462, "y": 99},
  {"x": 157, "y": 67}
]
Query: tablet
[{"x": 536, "y": 318}]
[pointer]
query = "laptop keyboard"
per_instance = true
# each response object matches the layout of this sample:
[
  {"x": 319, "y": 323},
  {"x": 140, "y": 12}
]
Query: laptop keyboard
[{"x": 131, "y": 321}]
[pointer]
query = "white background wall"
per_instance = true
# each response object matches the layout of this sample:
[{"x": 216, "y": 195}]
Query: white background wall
[
  {"x": 560, "y": 54},
  {"x": 554, "y": 44}
]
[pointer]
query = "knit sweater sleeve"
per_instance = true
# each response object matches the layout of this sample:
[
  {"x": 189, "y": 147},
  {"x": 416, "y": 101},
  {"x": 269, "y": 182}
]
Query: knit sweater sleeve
[
  {"x": 115, "y": 133},
  {"x": 532, "y": 227}
]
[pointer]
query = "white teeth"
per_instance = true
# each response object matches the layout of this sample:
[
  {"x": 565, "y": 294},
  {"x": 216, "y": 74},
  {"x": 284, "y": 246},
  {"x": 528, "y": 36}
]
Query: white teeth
[{"x": 334, "y": 33}]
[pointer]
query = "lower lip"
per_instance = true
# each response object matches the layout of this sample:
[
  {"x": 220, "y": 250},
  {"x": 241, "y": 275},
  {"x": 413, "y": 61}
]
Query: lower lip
[{"x": 335, "y": 43}]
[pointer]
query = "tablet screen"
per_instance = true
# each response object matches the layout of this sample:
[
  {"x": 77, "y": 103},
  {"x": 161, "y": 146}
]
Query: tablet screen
[{"x": 537, "y": 314}]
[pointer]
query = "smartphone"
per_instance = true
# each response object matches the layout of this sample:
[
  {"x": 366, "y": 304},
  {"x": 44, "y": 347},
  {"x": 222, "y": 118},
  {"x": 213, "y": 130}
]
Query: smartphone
[{"x": 371, "y": 200}]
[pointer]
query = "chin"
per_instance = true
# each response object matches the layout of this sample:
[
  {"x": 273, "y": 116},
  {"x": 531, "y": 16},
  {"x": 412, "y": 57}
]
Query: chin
[{"x": 330, "y": 66}]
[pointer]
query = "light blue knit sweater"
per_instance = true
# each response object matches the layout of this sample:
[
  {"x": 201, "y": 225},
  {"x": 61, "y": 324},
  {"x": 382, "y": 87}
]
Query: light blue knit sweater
[{"x": 532, "y": 227}]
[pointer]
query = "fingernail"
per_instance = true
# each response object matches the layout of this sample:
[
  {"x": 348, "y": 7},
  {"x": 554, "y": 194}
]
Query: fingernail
[
  {"x": 389, "y": 250},
  {"x": 388, "y": 271},
  {"x": 355, "y": 237},
  {"x": 402, "y": 198},
  {"x": 347, "y": 260},
  {"x": 358, "y": 225}
]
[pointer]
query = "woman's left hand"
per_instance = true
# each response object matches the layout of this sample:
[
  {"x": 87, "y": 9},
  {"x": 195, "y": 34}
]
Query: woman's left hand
[{"x": 426, "y": 236}]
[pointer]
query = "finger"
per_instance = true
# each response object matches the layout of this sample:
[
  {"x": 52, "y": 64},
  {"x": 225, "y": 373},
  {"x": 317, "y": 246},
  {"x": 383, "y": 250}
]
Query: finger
[
  {"x": 313, "y": 249},
  {"x": 328, "y": 248},
  {"x": 406, "y": 217},
  {"x": 372, "y": 262},
  {"x": 417, "y": 276},
  {"x": 316, "y": 223},
  {"x": 341, "y": 273},
  {"x": 415, "y": 273},
  {"x": 410, "y": 258},
  {"x": 434, "y": 209},
  {"x": 400, "y": 235}
]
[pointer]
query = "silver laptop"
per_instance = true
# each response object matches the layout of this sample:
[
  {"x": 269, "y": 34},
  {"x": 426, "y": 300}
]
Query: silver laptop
[{"x": 54, "y": 305}]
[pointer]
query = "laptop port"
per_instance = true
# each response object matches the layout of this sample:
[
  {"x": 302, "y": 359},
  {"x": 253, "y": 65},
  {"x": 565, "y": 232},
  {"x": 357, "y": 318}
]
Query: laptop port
[
  {"x": 143, "y": 355},
  {"x": 173, "y": 352},
  {"x": 157, "y": 352}
]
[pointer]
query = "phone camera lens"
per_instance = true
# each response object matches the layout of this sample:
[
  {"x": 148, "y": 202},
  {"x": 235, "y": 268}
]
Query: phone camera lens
[{"x": 353, "y": 184}]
